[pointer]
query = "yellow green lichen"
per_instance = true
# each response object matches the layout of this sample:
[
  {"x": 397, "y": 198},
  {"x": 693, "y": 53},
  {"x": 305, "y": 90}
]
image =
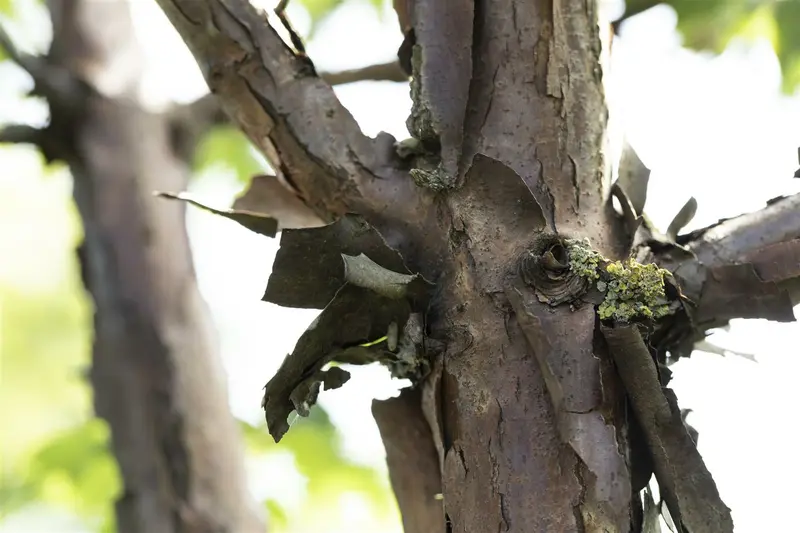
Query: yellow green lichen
[
  {"x": 583, "y": 260},
  {"x": 633, "y": 290}
]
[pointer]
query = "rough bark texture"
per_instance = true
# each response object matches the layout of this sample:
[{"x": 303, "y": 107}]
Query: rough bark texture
[
  {"x": 413, "y": 462},
  {"x": 156, "y": 373},
  {"x": 526, "y": 412}
]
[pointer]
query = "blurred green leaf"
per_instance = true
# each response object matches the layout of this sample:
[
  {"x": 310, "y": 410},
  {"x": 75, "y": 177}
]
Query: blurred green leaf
[
  {"x": 7, "y": 8},
  {"x": 316, "y": 446},
  {"x": 787, "y": 20},
  {"x": 7, "y": 11},
  {"x": 710, "y": 25},
  {"x": 15, "y": 494},
  {"x": 278, "y": 520},
  {"x": 318, "y": 10},
  {"x": 75, "y": 469},
  {"x": 229, "y": 148}
]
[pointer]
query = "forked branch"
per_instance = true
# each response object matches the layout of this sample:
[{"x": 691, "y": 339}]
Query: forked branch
[{"x": 291, "y": 114}]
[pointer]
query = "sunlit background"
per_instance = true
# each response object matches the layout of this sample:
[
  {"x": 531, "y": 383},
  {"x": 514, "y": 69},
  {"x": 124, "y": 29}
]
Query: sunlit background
[{"x": 715, "y": 127}]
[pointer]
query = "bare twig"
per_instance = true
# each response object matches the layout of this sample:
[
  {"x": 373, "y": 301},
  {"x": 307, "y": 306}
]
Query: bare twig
[
  {"x": 709, "y": 347},
  {"x": 297, "y": 42},
  {"x": 21, "y": 134},
  {"x": 206, "y": 111},
  {"x": 189, "y": 122},
  {"x": 7, "y": 44},
  {"x": 50, "y": 143},
  {"x": 390, "y": 71}
]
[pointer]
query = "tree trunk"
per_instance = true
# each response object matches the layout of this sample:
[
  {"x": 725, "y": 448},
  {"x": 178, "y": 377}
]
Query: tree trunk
[
  {"x": 156, "y": 373},
  {"x": 531, "y": 424},
  {"x": 536, "y": 105}
]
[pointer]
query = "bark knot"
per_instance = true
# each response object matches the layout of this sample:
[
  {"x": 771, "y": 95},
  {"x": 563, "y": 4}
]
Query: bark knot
[{"x": 550, "y": 268}]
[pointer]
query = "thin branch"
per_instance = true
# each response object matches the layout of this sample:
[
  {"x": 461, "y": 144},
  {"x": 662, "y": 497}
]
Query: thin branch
[
  {"x": 198, "y": 116},
  {"x": 390, "y": 71},
  {"x": 292, "y": 115},
  {"x": 7, "y": 44},
  {"x": 709, "y": 347},
  {"x": 49, "y": 142},
  {"x": 190, "y": 122},
  {"x": 205, "y": 112},
  {"x": 21, "y": 134},
  {"x": 56, "y": 84}
]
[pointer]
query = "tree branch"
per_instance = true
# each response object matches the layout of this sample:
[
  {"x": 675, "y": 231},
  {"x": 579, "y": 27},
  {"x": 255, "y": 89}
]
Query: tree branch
[
  {"x": 7, "y": 44},
  {"x": 743, "y": 267},
  {"x": 55, "y": 84},
  {"x": 291, "y": 114},
  {"x": 733, "y": 240},
  {"x": 48, "y": 140},
  {"x": 191, "y": 121},
  {"x": 21, "y": 134},
  {"x": 390, "y": 71}
]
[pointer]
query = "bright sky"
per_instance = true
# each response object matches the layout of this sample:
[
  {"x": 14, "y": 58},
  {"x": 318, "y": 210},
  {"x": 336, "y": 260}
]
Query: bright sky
[{"x": 715, "y": 128}]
